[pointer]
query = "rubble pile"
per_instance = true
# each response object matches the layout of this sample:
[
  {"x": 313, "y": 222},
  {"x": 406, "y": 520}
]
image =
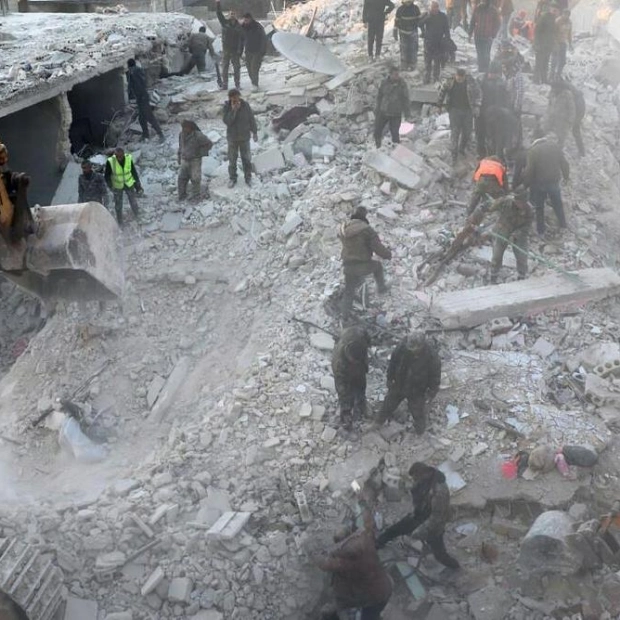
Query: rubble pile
[{"x": 216, "y": 402}]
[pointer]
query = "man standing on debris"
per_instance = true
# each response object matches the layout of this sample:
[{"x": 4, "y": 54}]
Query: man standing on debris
[
  {"x": 136, "y": 86},
  {"x": 359, "y": 242},
  {"x": 255, "y": 44},
  {"x": 494, "y": 95},
  {"x": 392, "y": 103},
  {"x": 373, "y": 15},
  {"x": 512, "y": 227},
  {"x": 484, "y": 26},
  {"x": 561, "y": 111},
  {"x": 545, "y": 37},
  {"x": 436, "y": 30},
  {"x": 122, "y": 177},
  {"x": 193, "y": 146},
  {"x": 240, "y": 125},
  {"x": 91, "y": 186},
  {"x": 406, "y": 31},
  {"x": 456, "y": 10},
  {"x": 350, "y": 365},
  {"x": 563, "y": 43},
  {"x": 491, "y": 180},
  {"x": 545, "y": 166},
  {"x": 580, "y": 112},
  {"x": 232, "y": 45},
  {"x": 198, "y": 45},
  {"x": 461, "y": 96},
  {"x": 431, "y": 511},
  {"x": 414, "y": 373}
]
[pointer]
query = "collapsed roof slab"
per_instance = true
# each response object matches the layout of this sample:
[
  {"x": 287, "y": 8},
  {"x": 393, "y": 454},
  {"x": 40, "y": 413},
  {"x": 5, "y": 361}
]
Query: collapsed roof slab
[{"x": 475, "y": 306}]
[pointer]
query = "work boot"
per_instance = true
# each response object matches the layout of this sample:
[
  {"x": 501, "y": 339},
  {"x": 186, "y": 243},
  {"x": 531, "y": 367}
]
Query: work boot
[
  {"x": 493, "y": 278},
  {"x": 224, "y": 87},
  {"x": 248, "y": 181},
  {"x": 419, "y": 424},
  {"x": 346, "y": 419},
  {"x": 232, "y": 183}
]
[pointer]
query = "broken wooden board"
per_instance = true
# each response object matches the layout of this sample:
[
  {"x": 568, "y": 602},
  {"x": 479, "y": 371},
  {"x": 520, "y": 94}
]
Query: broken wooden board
[{"x": 475, "y": 306}]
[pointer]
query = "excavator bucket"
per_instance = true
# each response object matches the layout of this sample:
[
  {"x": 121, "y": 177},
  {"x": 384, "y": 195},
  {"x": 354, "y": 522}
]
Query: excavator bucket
[{"x": 74, "y": 254}]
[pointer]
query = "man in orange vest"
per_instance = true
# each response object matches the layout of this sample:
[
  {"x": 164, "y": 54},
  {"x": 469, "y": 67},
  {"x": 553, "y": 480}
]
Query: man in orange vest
[{"x": 490, "y": 178}]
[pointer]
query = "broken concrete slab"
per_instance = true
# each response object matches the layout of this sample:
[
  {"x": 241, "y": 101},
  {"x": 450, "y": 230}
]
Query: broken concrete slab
[
  {"x": 340, "y": 80},
  {"x": 154, "y": 389},
  {"x": 155, "y": 578},
  {"x": 268, "y": 161},
  {"x": 424, "y": 94},
  {"x": 359, "y": 466},
  {"x": 475, "y": 306},
  {"x": 388, "y": 167},
  {"x": 322, "y": 341},
  {"x": 67, "y": 192},
  {"x": 180, "y": 590},
  {"x": 169, "y": 391},
  {"x": 213, "y": 507},
  {"x": 407, "y": 157},
  {"x": 80, "y": 609},
  {"x": 228, "y": 525}
]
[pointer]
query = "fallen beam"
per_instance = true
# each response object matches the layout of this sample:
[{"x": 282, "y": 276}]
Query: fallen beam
[{"x": 475, "y": 306}]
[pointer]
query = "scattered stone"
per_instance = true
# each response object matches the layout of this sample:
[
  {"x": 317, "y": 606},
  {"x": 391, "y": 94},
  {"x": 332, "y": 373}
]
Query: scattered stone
[
  {"x": 305, "y": 411},
  {"x": 359, "y": 466},
  {"x": 171, "y": 222},
  {"x": 180, "y": 590},
  {"x": 543, "y": 347},
  {"x": 322, "y": 341},
  {"x": 169, "y": 391},
  {"x": 489, "y": 603},
  {"x": 80, "y": 609},
  {"x": 150, "y": 585},
  {"x": 291, "y": 222},
  {"x": 228, "y": 525},
  {"x": 268, "y": 161},
  {"x": 329, "y": 434}
]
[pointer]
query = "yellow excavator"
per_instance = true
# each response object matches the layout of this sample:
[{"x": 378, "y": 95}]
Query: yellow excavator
[{"x": 68, "y": 252}]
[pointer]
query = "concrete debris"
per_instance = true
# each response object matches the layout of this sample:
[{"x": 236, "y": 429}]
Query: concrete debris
[
  {"x": 180, "y": 590},
  {"x": 228, "y": 525},
  {"x": 170, "y": 389},
  {"x": 386, "y": 166},
  {"x": 268, "y": 161}
]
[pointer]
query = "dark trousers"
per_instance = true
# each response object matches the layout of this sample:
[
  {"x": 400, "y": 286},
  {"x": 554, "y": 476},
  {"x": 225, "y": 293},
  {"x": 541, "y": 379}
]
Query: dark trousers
[
  {"x": 146, "y": 118},
  {"x": 578, "y": 137},
  {"x": 483, "y": 52},
  {"x": 253, "y": 62},
  {"x": 234, "y": 150},
  {"x": 519, "y": 238},
  {"x": 381, "y": 120},
  {"x": 118, "y": 202},
  {"x": 408, "y": 525},
  {"x": 195, "y": 60},
  {"x": 541, "y": 65},
  {"x": 416, "y": 403},
  {"x": 354, "y": 275},
  {"x": 375, "y": 36},
  {"x": 351, "y": 390},
  {"x": 408, "y": 49},
  {"x": 227, "y": 60},
  {"x": 538, "y": 195},
  {"x": 558, "y": 61},
  {"x": 461, "y": 122},
  {"x": 432, "y": 63}
]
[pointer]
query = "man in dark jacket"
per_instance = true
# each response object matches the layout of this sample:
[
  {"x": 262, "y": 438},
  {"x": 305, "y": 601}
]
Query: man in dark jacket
[
  {"x": 406, "y": 31},
  {"x": 580, "y": 112},
  {"x": 436, "y": 30},
  {"x": 545, "y": 166},
  {"x": 561, "y": 112},
  {"x": 494, "y": 95},
  {"x": 373, "y": 15},
  {"x": 414, "y": 374},
  {"x": 91, "y": 186},
  {"x": 137, "y": 88},
  {"x": 193, "y": 146},
  {"x": 198, "y": 45},
  {"x": 484, "y": 26},
  {"x": 350, "y": 365},
  {"x": 545, "y": 36},
  {"x": 232, "y": 45},
  {"x": 255, "y": 45},
  {"x": 461, "y": 96},
  {"x": 392, "y": 103},
  {"x": 359, "y": 243},
  {"x": 240, "y": 125},
  {"x": 431, "y": 511}
]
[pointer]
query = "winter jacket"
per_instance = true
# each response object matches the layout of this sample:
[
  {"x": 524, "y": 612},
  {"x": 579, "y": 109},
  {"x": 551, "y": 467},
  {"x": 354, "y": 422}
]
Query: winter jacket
[
  {"x": 232, "y": 34},
  {"x": 92, "y": 188},
  {"x": 194, "y": 145},
  {"x": 415, "y": 367},
  {"x": 359, "y": 242},
  {"x": 350, "y": 355},
  {"x": 433, "y": 506},
  {"x": 485, "y": 22},
  {"x": 254, "y": 38},
  {"x": 240, "y": 124},
  {"x": 545, "y": 163},
  {"x": 436, "y": 28},
  {"x": 393, "y": 98},
  {"x": 561, "y": 112},
  {"x": 136, "y": 84},
  {"x": 199, "y": 43},
  {"x": 512, "y": 214},
  {"x": 545, "y": 33},
  {"x": 473, "y": 94},
  {"x": 376, "y": 10},
  {"x": 580, "y": 102},
  {"x": 407, "y": 17}
]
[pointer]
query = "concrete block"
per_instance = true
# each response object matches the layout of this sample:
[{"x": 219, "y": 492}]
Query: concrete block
[
  {"x": 324, "y": 106},
  {"x": 340, "y": 80},
  {"x": 543, "y": 347},
  {"x": 322, "y": 341},
  {"x": 80, "y": 609},
  {"x": 490, "y": 603},
  {"x": 213, "y": 506},
  {"x": 424, "y": 94},
  {"x": 67, "y": 192},
  {"x": 359, "y": 466},
  {"x": 120, "y": 615},
  {"x": 472, "y": 307},
  {"x": 180, "y": 590},
  {"x": 155, "y": 578},
  {"x": 268, "y": 161},
  {"x": 388, "y": 167},
  {"x": 291, "y": 222},
  {"x": 171, "y": 222},
  {"x": 169, "y": 391},
  {"x": 407, "y": 157},
  {"x": 228, "y": 525},
  {"x": 154, "y": 389}
]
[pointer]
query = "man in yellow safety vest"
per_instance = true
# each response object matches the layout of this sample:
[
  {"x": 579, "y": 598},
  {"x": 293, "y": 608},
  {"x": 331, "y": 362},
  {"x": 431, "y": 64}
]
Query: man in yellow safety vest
[{"x": 121, "y": 176}]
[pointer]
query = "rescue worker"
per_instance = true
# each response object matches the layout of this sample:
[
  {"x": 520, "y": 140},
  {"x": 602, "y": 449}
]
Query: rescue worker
[
  {"x": 122, "y": 177},
  {"x": 16, "y": 220},
  {"x": 91, "y": 185},
  {"x": 392, "y": 103},
  {"x": 414, "y": 373},
  {"x": 484, "y": 26},
  {"x": 544, "y": 168},
  {"x": 580, "y": 112},
  {"x": 137, "y": 88},
  {"x": 240, "y": 125},
  {"x": 563, "y": 43},
  {"x": 545, "y": 36},
  {"x": 490, "y": 178},
  {"x": 193, "y": 146},
  {"x": 515, "y": 87},
  {"x": 373, "y": 16},
  {"x": 406, "y": 32},
  {"x": 561, "y": 112},
  {"x": 436, "y": 30},
  {"x": 460, "y": 95},
  {"x": 255, "y": 45},
  {"x": 494, "y": 95},
  {"x": 515, "y": 217},
  {"x": 431, "y": 511},
  {"x": 198, "y": 45},
  {"x": 360, "y": 582},
  {"x": 350, "y": 366},
  {"x": 359, "y": 242},
  {"x": 232, "y": 45}
]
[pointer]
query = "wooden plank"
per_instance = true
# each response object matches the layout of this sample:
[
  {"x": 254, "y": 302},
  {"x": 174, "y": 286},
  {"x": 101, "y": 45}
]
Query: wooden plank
[{"x": 472, "y": 307}]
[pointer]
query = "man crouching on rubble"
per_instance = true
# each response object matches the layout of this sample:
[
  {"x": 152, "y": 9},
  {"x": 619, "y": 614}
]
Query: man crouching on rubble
[{"x": 359, "y": 580}]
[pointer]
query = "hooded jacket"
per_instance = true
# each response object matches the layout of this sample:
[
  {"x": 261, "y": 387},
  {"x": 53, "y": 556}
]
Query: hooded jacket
[
  {"x": 546, "y": 163},
  {"x": 415, "y": 366},
  {"x": 359, "y": 242},
  {"x": 254, "y": 38},
  {"x": 350, "y": 355},
  {"x": 240, "y": 124},
  {"x": 194, "y": 145},
  {"x": 393, "y": 98}
]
